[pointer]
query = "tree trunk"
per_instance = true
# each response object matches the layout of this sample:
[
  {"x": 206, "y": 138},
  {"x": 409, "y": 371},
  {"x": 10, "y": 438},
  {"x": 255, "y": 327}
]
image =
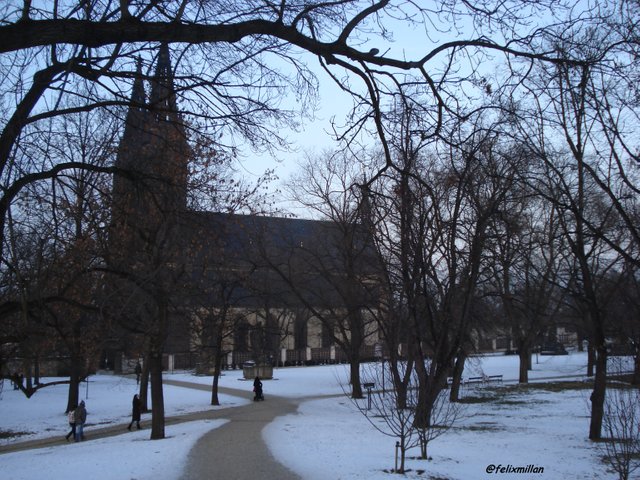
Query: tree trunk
[
  {"x": 217, "y": 366},
  {"x": 214, "y": 386},
  {"x": 144, "y": 384},
  {"x": 36, "y": 370},
  {"x": 400, "y": 382},
  {"x": 28, "y": 374},
  {"x": 590, "y": 359},
  {"x": 598, "y": 394},
  {"x": 403, "y": 453},
  {"x": 423, "y": 446},
  {"x": 356, "y": 386},
  {"x": 636, "y": 368},
  {"x": 427, "y": 392},
  {"x": 73, "y": 398},
  {"x": 525, "y": 360},
  {"x": 157, "y": 396},
  {"x": 458, "y": 368}
]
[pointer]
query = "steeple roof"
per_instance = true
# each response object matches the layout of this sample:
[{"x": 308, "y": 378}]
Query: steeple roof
[
  {"x": 137, "y": 107},
  {"x": 163, "y": 99}
]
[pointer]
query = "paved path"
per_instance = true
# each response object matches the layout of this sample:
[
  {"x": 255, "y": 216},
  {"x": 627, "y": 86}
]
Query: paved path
[
  {"x": 237, "y": 451},
  {"x": 234, "y": 451}
]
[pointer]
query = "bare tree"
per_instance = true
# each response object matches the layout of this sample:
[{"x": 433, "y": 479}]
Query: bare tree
[
  {"x": 621, "y": 447},
  {"x": 349, "y": 266},
  {"x": 567, "y": 130},
  {"x": 214, "y": 326},
  {"x": 66, "y": 214},
  {"x": 525, "y": 267},
  {"x": 395, "y": 417},
  {"x": 441, "y": 204},
  {"x": 66, "y": 49},
  {"x": 230, "y": 84}
]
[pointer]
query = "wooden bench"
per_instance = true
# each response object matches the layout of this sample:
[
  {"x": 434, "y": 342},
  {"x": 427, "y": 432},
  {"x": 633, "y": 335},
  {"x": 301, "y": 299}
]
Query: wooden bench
[{"x": 494, "y": 378}]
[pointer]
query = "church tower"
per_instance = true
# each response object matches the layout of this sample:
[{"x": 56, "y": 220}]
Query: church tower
[{"x": 150, "y": 186}]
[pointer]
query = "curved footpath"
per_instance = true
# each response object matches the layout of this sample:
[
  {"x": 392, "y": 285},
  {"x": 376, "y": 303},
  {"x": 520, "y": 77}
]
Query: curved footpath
[{"x": 235, "y": 450}]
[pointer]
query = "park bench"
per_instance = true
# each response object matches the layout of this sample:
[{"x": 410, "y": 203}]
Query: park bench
[{"x": 474, "y": 380}]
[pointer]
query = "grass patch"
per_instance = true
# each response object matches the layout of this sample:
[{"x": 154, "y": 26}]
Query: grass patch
[
  {"x": 546, "y": 387},
  {"x": 515, "y": 402},
  {"x": 11, "y": 434},
  {"x": 554, "y": 387},
  {"x": 483, "y": 427},
  {"x": 472, "y": 400}
]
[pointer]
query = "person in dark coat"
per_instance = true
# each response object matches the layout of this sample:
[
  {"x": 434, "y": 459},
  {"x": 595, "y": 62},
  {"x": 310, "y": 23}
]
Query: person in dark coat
[
  {"x": 257, "y": 388},
  {"x": 81, "y": 419},
  {"x": 135, "y": 412},
  {"x": 138, "y": 371},
  {"x": 71, "y": 416}
]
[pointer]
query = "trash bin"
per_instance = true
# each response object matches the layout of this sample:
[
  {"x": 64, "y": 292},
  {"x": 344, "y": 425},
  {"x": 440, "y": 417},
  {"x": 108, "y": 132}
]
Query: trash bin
[
  {"x": 265, "y": 372},
  {"x": 249, "y": 370}
]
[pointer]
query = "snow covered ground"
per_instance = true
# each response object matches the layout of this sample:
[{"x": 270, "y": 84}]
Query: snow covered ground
[{"x": 327, "y": 438}]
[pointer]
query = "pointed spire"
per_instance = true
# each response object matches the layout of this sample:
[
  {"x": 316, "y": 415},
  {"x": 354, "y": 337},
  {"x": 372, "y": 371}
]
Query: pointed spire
[
  {"x": 137, "y": 93},
  {"x": 162, "y": 97},
  {"x": 136, "y": 115}
]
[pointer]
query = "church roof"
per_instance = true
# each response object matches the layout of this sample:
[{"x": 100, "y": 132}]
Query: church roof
[{"x": 293, "y": 262}]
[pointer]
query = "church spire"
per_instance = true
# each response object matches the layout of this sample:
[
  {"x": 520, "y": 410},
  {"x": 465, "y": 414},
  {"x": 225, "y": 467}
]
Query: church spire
[
  {"x": 135, "y": 121},
  {"x": 163, "y": 97},
  {"x": 138, "y": 97},
  {"x": 135, "y": 115}
]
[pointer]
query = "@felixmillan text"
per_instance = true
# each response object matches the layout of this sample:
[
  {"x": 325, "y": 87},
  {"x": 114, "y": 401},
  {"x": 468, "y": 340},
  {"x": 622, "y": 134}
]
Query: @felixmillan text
[{"x": 514, "y": 469}]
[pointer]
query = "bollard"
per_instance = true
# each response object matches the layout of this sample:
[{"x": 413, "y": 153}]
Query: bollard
[{"x": 369, "y": 386}]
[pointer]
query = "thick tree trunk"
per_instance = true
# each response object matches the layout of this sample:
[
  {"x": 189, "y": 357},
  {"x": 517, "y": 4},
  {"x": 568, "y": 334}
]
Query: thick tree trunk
[
  {"x": 144, "y": 384},
  {"x": 36, "y": 370},
  {"x": 73, "y": 398},
  {"x": 525, "y": 363},
  {"x": 458, "y": 369},
  {"x": 591, "y": 356},
  {"x": 214, "y": 386},
  {"x": 157, "y": 396},
  {"x": 426, "y": 396},
  {"x": 217, "y": 368},
  {"x": 598, "y": 395},
  {"x": 356, "y": 386},
  {"x": 636, "y": 369},
  {"x": 400, "y": 380},
  {"x": 28, "y": 377}
]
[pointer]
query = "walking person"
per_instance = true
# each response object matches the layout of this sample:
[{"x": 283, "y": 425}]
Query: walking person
[
  {"x": 257, "y": 388},
  {"x": 81, "y": 419},
  {"x": 71, "y": 416},
  {"x": 138, "y": 371},
  {"x": 135, "y": 412}
]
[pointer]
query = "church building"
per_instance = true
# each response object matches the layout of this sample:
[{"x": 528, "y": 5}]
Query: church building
[{"x": 206, "y": 285}]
